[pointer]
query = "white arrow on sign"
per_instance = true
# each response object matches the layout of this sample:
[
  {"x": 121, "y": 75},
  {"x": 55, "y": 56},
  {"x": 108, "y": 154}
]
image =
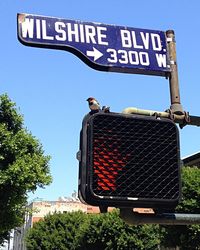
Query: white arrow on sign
[{"x": 94, "y": 53}]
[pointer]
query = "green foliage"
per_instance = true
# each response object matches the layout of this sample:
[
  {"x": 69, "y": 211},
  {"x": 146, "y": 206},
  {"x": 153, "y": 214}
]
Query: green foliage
[
  {"x": 23, "y": 166},
  {"x": 186, "y": 237},
  {"x": 191, "y": 190},
  {"x": 57, "y": 231},
  {"x": 108, "y": 231},
  {"x": 84, "y": 232}
]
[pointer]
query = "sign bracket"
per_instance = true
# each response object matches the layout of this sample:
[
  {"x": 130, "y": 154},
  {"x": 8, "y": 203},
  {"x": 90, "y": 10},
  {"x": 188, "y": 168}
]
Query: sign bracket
[
  {"x": 175, "y": 112},
  {"x": 134, "y": 218}
]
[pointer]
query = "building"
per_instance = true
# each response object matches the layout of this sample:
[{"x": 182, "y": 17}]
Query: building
[
  {"x": 192, "y": 160},
  {"x": 41, "y": 208}
]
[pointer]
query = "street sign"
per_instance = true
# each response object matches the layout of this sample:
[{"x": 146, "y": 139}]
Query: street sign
[{"x": 101, "y": 46}]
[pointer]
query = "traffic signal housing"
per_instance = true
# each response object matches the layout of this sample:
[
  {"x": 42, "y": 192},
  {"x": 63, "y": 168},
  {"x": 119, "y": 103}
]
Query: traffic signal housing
[{"x": 129, "y": 161}]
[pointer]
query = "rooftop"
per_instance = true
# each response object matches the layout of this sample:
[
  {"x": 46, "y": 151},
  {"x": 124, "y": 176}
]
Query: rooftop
[{"x": 192, "y": 160}]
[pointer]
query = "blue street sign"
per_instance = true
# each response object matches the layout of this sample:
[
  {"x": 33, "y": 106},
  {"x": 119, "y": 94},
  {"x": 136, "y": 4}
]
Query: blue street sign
[{"x": 103, "y": 47}]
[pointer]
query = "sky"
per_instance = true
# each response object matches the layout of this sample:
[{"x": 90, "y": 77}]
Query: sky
[{"x": 50, "y": 87}]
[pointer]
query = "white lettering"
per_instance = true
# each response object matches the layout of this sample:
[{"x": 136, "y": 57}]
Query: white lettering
[
  {"x": 82, "y": 38},
  {"x": 133, "y": 57},
  {"x": 156, "y": 42},
  {"x": 161, "y": 60},
  {"x": 27, "y": 28},
  {"x": 145, "y": 39},
  {"x": 62, "y": 33},
  {"x": 124, "y": 56},
  {"x": 44, "y": 31},
  {"x": 135, "y": 45},
  {"x": 113, "y": 55},
  {"x": 38, "y": 29},
  {"x": 126, "y": 39},
  {"x": 130, "y": 39},
  {"x": 90, "y": 34},
  {"x": 101, "y": 36},
  {"x": 144, "y": 58},
  {"x": 72, "y": 32}
]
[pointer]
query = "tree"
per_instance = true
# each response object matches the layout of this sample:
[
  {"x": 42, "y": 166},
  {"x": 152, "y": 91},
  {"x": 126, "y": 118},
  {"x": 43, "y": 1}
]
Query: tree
[
  {"x": 57, "y": 231},
  {"x": 23, "y": 166},
  {"x": 109, "y": 231},
  {"x": 79, "y": 231},
  {"x": 186, "y": 237}
]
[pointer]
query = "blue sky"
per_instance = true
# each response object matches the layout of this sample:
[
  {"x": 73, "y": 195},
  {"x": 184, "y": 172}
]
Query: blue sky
[{"x": 50, "y": 87}]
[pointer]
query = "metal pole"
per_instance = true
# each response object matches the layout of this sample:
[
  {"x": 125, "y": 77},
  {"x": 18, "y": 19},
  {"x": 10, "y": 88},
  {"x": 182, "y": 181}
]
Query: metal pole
[
  {"x": 181, "y": 119},
  {"x": 176, "y": 106},
  {"x": 146, "y": 112},
  {"x": 194, "y": 120},
  {"x": 134, "y": 218}
]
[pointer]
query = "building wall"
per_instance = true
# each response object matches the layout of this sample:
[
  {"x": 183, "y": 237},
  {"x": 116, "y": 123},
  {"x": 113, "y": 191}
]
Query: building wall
[{"x": 42, "y": 208}]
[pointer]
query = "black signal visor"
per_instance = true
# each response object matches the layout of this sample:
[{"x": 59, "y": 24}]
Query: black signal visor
[{"x": 129, "y": 160}]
